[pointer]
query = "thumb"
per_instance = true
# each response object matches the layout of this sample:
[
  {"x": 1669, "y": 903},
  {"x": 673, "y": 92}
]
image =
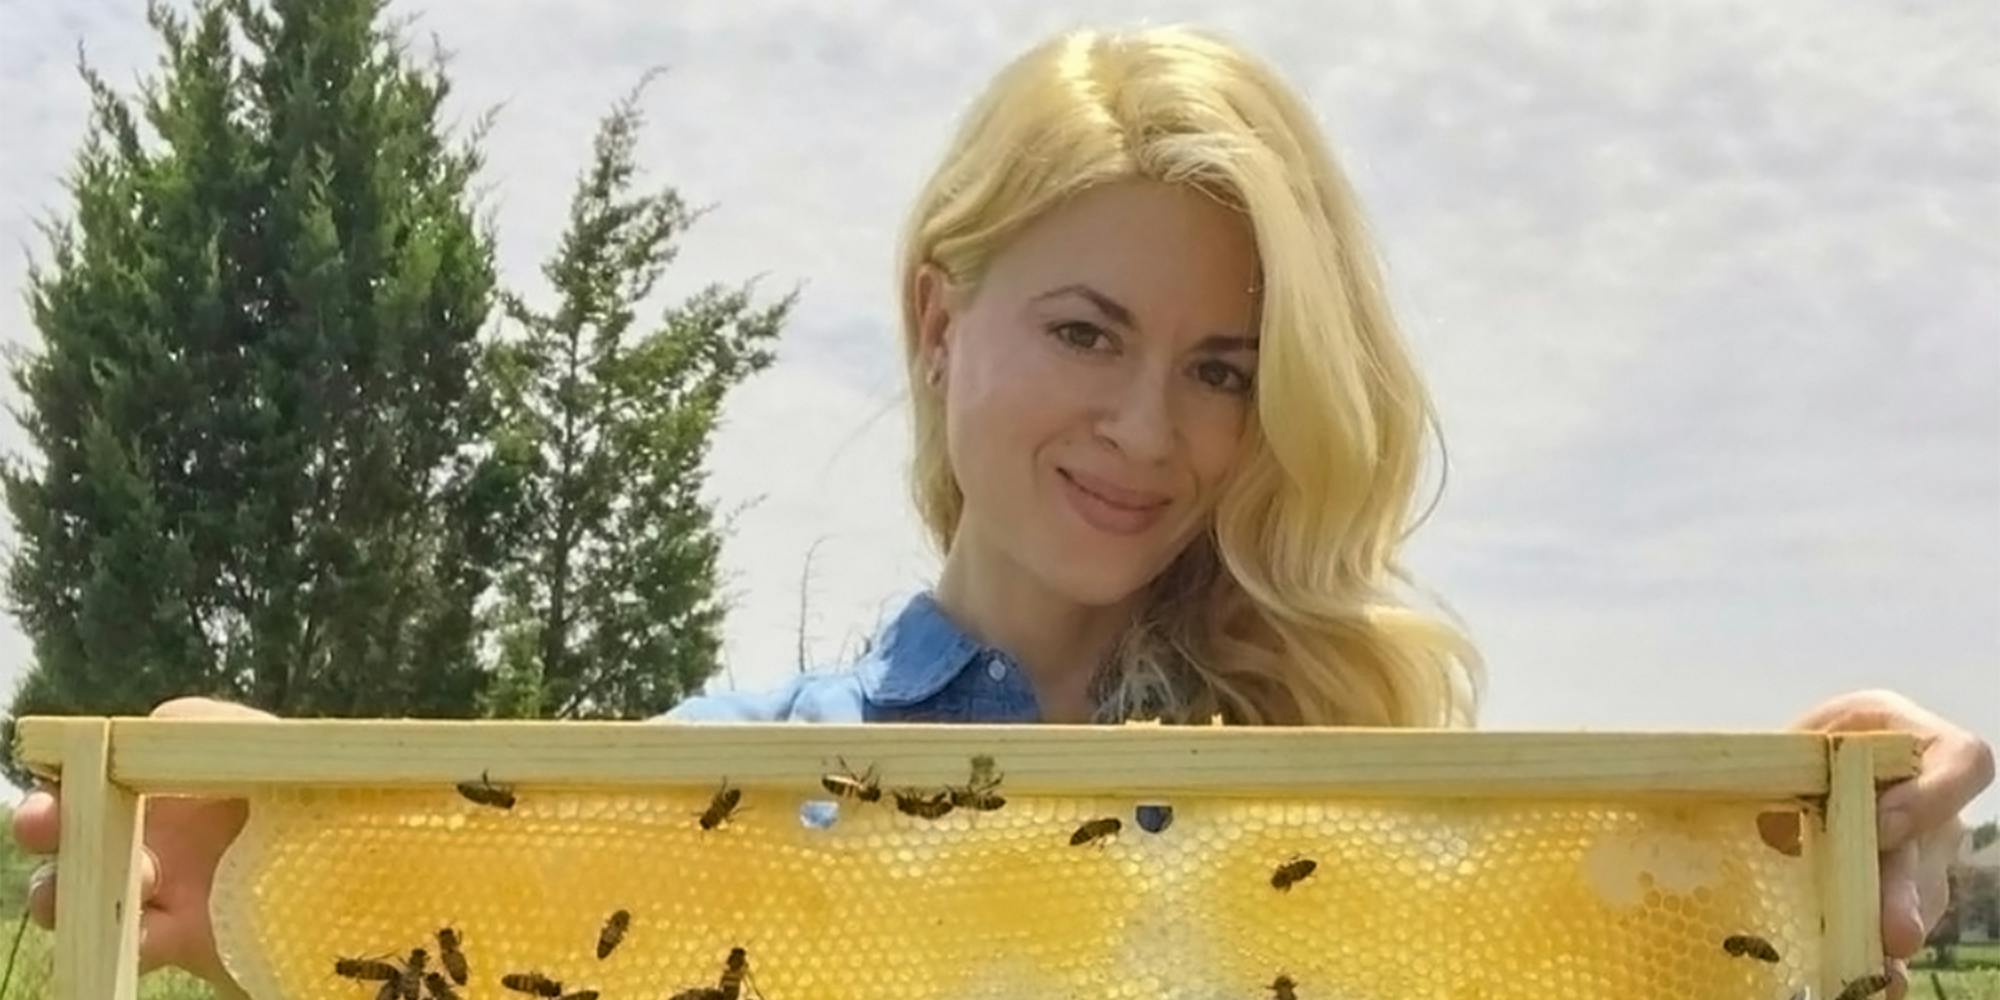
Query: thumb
[
  {"x": 1956, "y": 767},
  {"x": 206, "y": 708}
]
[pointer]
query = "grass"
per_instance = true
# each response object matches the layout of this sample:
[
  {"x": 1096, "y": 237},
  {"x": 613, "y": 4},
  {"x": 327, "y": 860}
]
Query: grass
[
  {"x": 32, "y": 981},
  {"x": 1976, "y": 953},
  {"x": 1983, "y": 984},
  {"x": 1960, "y": 983}
]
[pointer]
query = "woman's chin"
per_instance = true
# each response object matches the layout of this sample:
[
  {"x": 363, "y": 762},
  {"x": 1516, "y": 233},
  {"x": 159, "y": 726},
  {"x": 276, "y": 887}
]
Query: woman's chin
[{"x": 1095, "y": 578}]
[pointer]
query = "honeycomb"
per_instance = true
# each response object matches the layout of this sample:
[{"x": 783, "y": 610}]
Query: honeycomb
[{"x": 1203, "y": 897}]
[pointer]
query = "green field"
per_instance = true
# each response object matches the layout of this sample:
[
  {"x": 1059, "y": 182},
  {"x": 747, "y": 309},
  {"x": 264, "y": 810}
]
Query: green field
[
  {"x": 1982, "y": 985},
  {"x": 1962, "y": 984},
  {"x": 31, "y": 974}
]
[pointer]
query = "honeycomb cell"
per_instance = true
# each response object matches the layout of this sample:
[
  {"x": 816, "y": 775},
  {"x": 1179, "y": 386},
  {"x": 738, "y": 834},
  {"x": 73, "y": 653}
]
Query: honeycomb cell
[{"x": 1549, "y": 900}]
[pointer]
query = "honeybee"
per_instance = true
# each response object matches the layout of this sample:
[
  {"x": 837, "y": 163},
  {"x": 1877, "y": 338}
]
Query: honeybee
[
  {"x": 924, "y": 805},
  {"x": 863, "y": 787},
  {"x": 450, "y": 953},
  {"x": 1749, "y": 946},
  {"x": 532, "y": 983},
  {"x": 982, "y": 770},
  {"x": 1292, "y": 873},
  {"x": 1097, "y": 830},
  {"x": 1866, "y": 986},
  {"x": 614, "y": 930},
  {"x": 977, "y": 799},
  {"x": 440, "y": 987},
  {"x": 1283, "y": 988},
  {"x": 486, "y": 793},
  {"x": 410, "y": 982},
  {"x": 579, "y": 995},
  {"x": 734, "y": 971},
  {"x": 721, "y": 807},
  {"x": 365, "y": 969},
  {"x": 978, "y": 792}
]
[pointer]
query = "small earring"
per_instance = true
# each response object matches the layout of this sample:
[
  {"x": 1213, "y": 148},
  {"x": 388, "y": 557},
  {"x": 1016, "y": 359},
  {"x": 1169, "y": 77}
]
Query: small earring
[{"x": 936, "y": 376}]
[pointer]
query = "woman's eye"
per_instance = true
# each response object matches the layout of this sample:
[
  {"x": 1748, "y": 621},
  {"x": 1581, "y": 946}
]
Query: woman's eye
[
  {"x": 1223, "y": 375},
  {"x": 1080, "y": 335}
]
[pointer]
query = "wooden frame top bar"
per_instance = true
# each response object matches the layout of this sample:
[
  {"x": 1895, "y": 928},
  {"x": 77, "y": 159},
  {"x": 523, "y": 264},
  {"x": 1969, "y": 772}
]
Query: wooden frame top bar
[{"x": 182, "y": 755}]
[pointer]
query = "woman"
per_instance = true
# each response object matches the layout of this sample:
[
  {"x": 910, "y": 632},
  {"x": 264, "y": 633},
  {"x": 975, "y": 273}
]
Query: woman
[{"x": 1168, "y": 440}]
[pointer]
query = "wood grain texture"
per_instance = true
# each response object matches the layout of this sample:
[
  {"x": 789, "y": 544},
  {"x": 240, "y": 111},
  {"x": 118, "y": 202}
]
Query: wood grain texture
[
  {"x": 97, "y": 897},
  {"x": 1849, "y": 875},
  {"x": 188, "y": 755}
]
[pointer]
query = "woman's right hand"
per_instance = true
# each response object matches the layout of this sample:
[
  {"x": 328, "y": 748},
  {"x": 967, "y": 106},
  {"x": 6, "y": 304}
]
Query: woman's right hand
[{"x": 184, "y": 840}]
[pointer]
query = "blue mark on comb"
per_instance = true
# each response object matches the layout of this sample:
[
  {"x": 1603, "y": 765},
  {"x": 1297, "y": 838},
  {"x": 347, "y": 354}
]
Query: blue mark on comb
[
  {"x": 819, "y": 814},
  {"x": 1154, "y": 818}
]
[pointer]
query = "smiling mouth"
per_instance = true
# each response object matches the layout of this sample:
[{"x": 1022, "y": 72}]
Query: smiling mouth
[
  {"x": 1116, "y": 497},
  {"x": 1110, "y": 509}
]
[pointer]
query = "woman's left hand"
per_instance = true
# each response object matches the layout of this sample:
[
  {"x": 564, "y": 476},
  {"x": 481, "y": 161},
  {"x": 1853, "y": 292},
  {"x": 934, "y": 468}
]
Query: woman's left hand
[{"x": 1917, "y": 823}]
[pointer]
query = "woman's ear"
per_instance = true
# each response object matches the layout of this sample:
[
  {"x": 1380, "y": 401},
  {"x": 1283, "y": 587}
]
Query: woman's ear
[{"x": 930, "y": 293}]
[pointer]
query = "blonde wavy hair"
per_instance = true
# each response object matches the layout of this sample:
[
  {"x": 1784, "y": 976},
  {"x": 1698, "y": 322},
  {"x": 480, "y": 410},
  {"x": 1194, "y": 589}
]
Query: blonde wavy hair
[{"x": 1292, "y": 607}]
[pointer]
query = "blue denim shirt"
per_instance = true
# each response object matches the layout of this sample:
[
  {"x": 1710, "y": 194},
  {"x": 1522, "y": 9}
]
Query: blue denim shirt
[{"x": 922, "y": 668}]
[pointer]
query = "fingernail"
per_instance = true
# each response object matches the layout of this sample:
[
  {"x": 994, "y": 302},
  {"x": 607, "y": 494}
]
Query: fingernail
[
  {"x": 1892, "y": 828},
  {"x": 43, "y": 874}
]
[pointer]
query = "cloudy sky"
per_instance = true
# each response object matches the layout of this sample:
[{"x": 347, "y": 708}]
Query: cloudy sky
[{"x": 1708, "y": 292}]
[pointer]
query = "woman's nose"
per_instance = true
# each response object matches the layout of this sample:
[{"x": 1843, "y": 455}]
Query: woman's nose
[{"x": 1139, "y": 420}]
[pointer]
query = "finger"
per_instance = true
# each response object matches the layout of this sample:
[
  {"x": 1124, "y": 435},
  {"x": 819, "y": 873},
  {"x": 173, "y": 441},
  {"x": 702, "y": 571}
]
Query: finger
[
  {"x": 42, "y": 888},
  {"x": 38, "y": 823},
  {"x": 42, "y": 895},
  {"x": 207, "y": 708},
  {"x": 1902, "y": 917},
  {"x": 149, "y": 875},
  {"x": 1937, "y": 851},
  {"x": 1899, "y": 978},
  {"x": 1861, "y": 710},
  {"x": 1956, "y": 767}
]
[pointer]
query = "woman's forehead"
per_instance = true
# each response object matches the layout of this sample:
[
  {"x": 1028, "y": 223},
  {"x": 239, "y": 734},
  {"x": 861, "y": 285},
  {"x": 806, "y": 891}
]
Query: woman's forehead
[{"x": 1148, "y": 245}]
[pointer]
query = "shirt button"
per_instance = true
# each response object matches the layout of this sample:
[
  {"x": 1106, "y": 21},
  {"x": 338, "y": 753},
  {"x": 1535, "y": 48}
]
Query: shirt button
[{"x": 996, "y": 668}]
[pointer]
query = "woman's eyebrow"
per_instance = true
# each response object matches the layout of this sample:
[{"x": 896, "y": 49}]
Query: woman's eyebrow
[
  {"x": 1223, "y": 343},
  {"x": 1110, "y": 307},
  {"x": 1116, "y": 312}
]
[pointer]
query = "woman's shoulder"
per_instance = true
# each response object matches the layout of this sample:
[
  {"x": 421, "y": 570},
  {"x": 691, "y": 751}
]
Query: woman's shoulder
[
  {"x": 817, "y": 696},
  {"x": 917, "y": 668}
]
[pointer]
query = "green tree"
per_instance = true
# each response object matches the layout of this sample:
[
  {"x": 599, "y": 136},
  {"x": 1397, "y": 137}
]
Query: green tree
[
  {"x": 254, "y": 410},
  {"x": 1976, "y": 893},
  {"x": 609, "y": 606}
]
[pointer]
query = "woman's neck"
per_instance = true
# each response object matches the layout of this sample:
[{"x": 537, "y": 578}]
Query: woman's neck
[{"x": 1057, "y": 641}]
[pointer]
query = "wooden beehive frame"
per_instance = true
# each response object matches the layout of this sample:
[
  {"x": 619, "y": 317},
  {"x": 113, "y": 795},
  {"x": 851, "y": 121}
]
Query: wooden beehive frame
[{"x": 107, "y": 764}]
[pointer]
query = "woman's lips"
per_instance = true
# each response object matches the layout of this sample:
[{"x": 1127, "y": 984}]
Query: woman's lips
[{"x": 1110, "y": 508}]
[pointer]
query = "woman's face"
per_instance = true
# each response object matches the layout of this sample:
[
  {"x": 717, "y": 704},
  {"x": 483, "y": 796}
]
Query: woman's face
[{"x": 1097, "y": 385}]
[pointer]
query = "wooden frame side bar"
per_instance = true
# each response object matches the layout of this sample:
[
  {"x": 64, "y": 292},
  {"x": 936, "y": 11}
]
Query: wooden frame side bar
[
  {"x": 151, "y": 755},
  {"x": 97, "y": 950},
  {"x": 1850, "y": 889}
]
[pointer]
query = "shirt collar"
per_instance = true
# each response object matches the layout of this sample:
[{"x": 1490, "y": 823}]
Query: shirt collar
[{"x": 916, "y": 655}]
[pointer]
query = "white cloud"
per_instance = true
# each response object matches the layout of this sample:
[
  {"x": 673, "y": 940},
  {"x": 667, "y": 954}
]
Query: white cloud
[{"x": 1707, "y": 292}]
